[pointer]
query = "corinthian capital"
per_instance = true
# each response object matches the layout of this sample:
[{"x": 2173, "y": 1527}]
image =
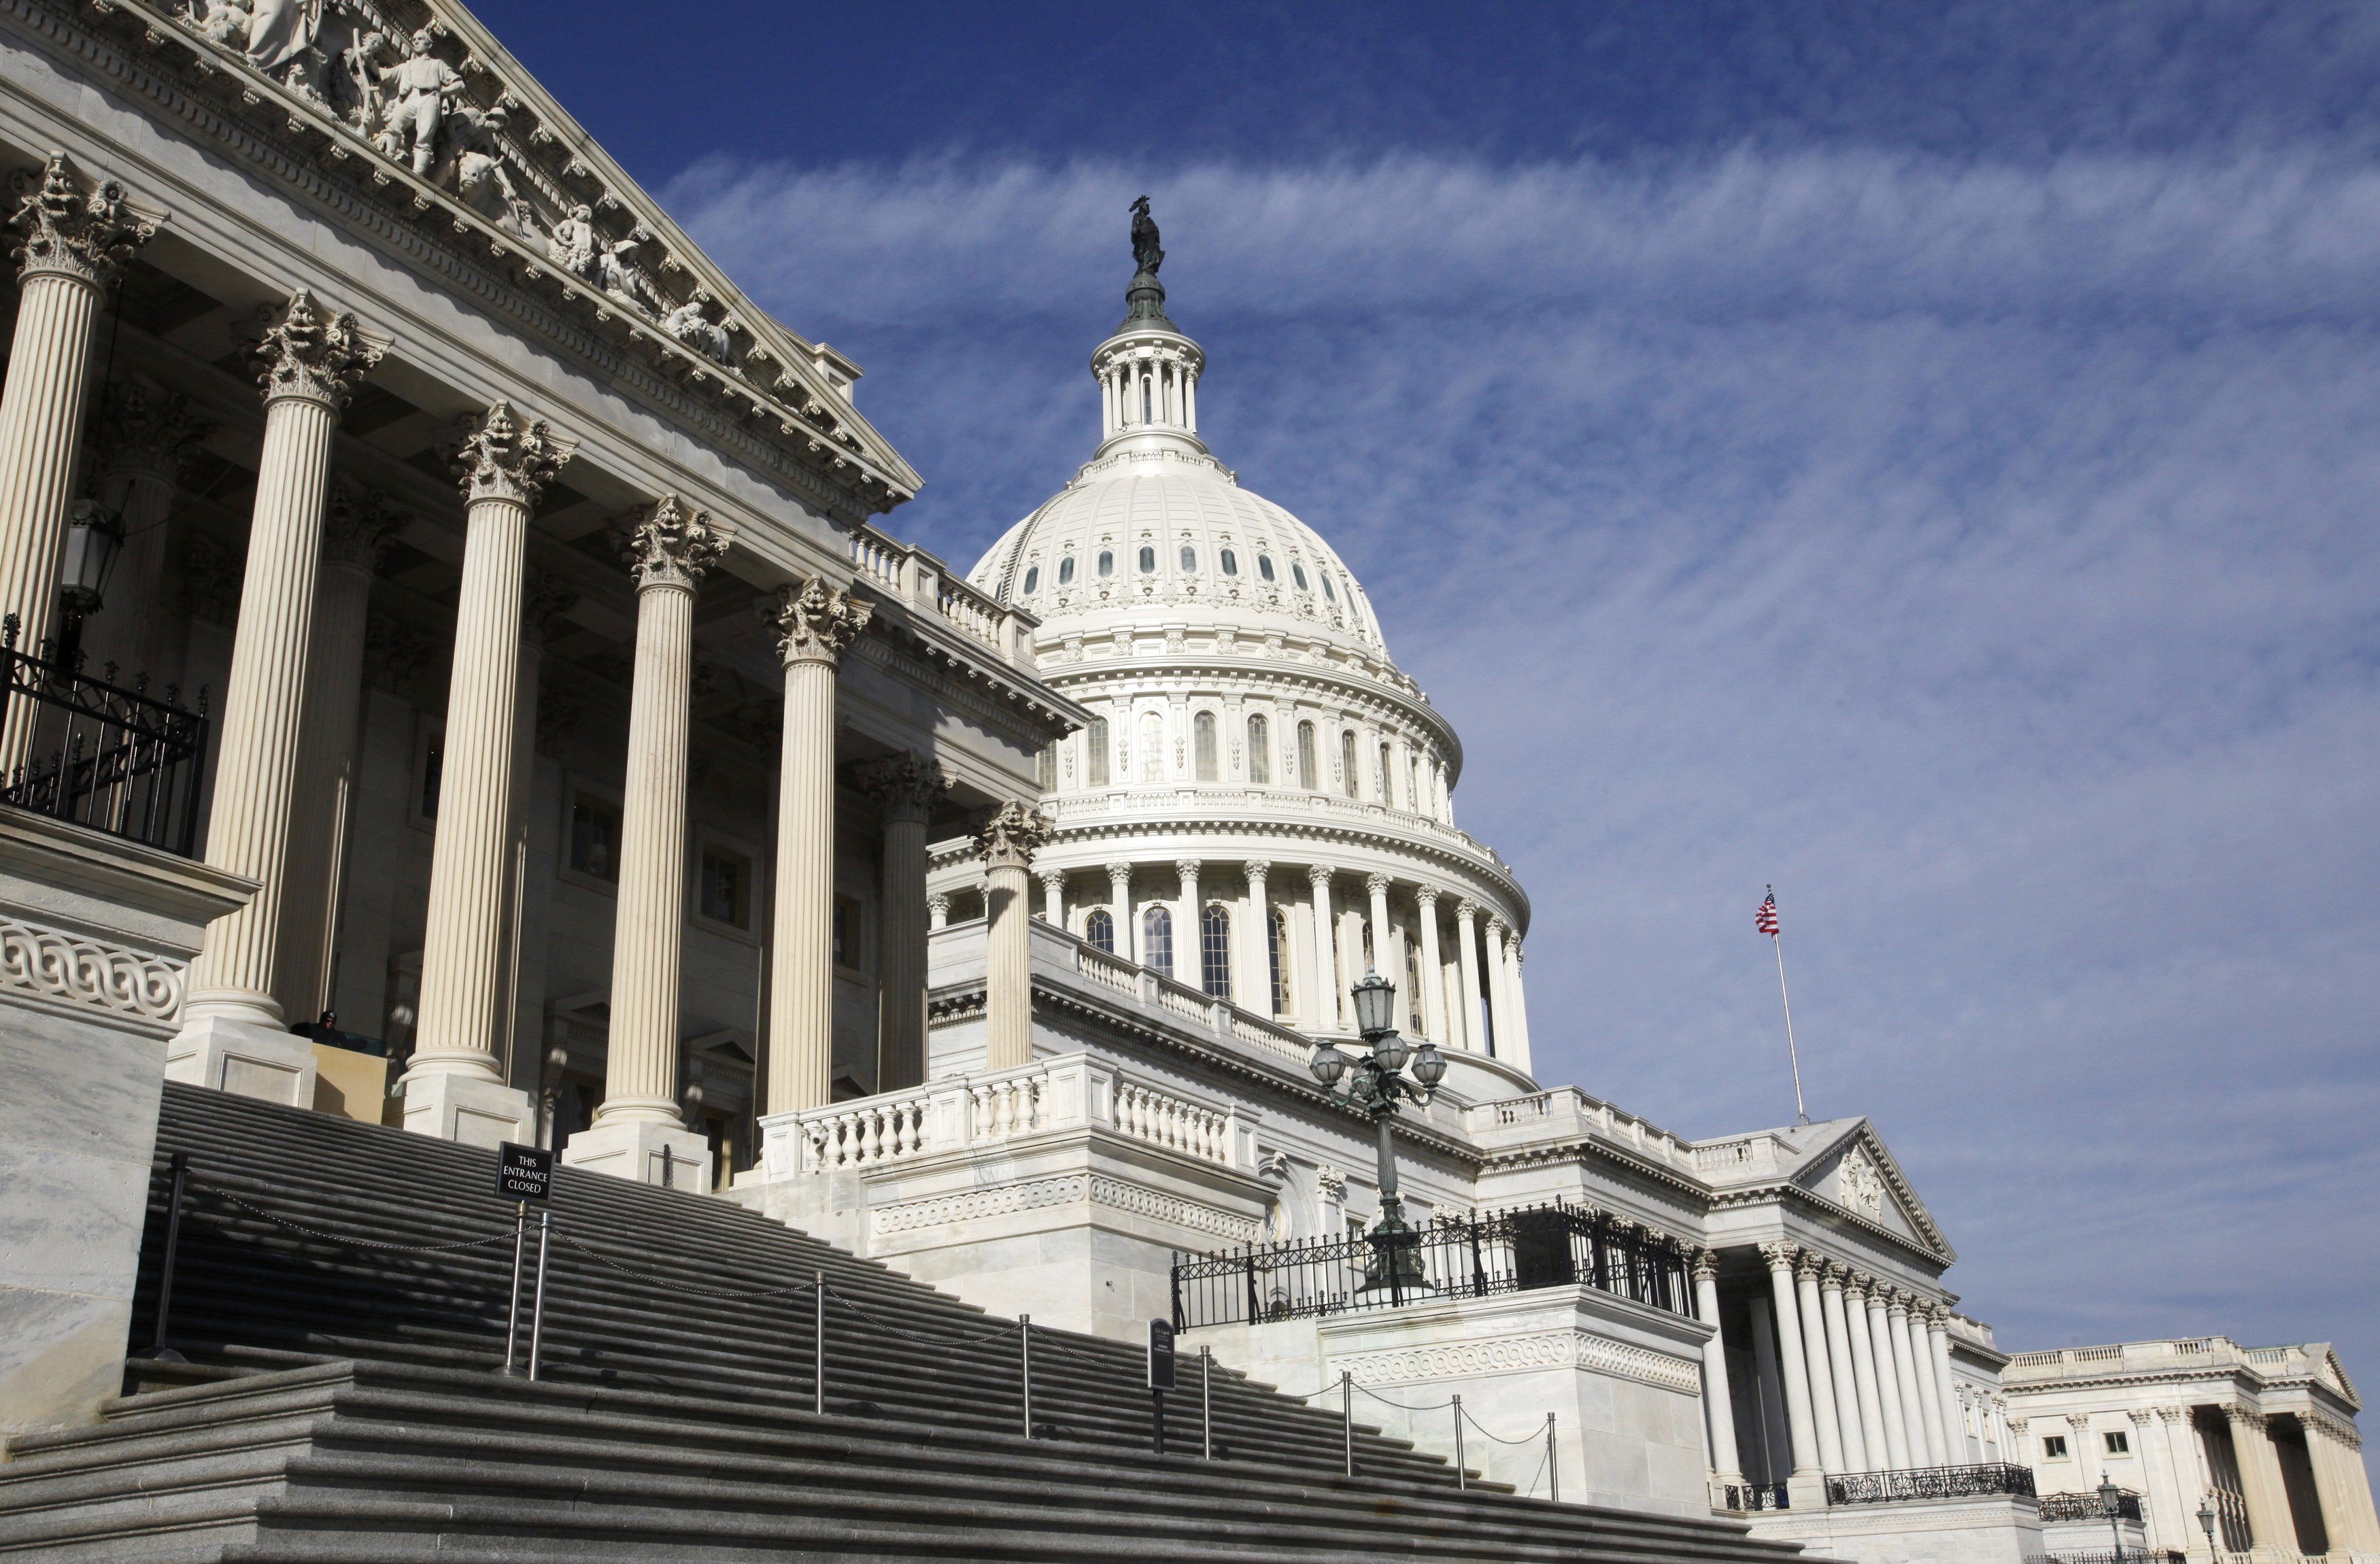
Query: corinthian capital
[
  {"x": 507, "y": 458},
  {"x": 357, "y": 526},
  {"x": 1809, "y": 1267},
  {"x": 305, "y": 352},
  {"x": 904, "y": 786},
  {"x": 67, "y": 230},
  {"x": 1010, "y": 838},
  {"x": 816, "y": 623},
  {"x": 1780, "y": 1255},
  {"x": 1377, "y": 884},
  {"x": 1466, "y": 909},
  {"x": 141, "y": 427},
  {"x": 673, "y": 545},
  {"x": 1705, "y": 1265}
]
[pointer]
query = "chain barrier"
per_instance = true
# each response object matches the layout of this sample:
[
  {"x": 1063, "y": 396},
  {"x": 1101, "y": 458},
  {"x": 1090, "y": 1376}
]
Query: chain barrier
[
  {"x": 992, "y": 1335},
  {"x": 496, "y": 1237},
  {"x": 798, "y": 1289}
]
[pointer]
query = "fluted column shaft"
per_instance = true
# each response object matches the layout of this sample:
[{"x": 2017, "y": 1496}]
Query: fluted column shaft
[
  {"x": 1326, "y": 953},
  {"x": 1474, "y": 1024},
  {"x": 1824, "y": 1414},
  {"x": 1922, "y": 1435},
  {"x": 1871, "y": 1399},
  {"x": 1718, "y": 1404},
  {"x": 2261, "y": 1484},
  {"x": 1800, "y": 1423},
  {"x": 505, "y": 468},
  {"x": 904, "y": 787},
  {"x": 1500, "y": 1001},
  {"x": 1376, "y": 887},
  {"x": 1433, "y": 972},
  {"x": 1887, "y": 1382},
  {"x": 1936, "y": 1339},
  {"x": 1253, "y": 944},
  {"x": 1839, "y": 1369},
  {"x": 1006, "y": 844}
]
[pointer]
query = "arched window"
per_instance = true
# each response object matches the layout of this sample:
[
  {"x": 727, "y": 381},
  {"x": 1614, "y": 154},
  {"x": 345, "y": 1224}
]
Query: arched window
[
  {"x": 1189, "y": 560},
  {"x": 1099, "y": 929},
  {"x": 1149, "y": 562},
  {"x": 1094, "y": 756},
  {"x": 1264, "y": 567},
  {"x": 1215, "y": 952},
  {"x": 1107, "y": 561},
  {"x": 1231, "y": 563},
  {"x": 1299, "y": 572},
  {"x": 1413, "y": 991},
  {"x": 1032, "y": 580},
  {"x": 1308, "y": 773},
  {"x": 1387, "y": 776},
  {"x": 1328, "y": 590},
  {"x": 1065, "y": 570},
  {"x": 1045, "y": 768},
  {"x": 1413, "y": 784},
  {"x": 1202, "y": 746},
  {"x": 1157, "y": 939},
  {"x": 1277, "y": 940},
  {"x": 1349, "y": 784},
  {"x": 1260, "y": 750},
  {"x": 1147, "y": 391},
  {"x": 1152, "y": 748}
]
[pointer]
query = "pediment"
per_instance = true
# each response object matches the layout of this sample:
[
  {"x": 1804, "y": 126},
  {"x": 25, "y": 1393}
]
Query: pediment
[
  {"x": 516, "y": 175},
  {"x": 1857, "y": 1172}
]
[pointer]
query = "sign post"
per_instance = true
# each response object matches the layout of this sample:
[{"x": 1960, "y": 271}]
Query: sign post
[
  {"x": 1160, "y": 1372},
  {"x": 523, "y": 1173}
]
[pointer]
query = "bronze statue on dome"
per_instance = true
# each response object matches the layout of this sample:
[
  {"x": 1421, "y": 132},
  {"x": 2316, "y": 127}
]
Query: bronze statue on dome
[{"x": 1145, "y": 252}]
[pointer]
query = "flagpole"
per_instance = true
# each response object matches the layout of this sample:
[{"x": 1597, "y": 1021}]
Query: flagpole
[{"x": 1791, "y": 1051}]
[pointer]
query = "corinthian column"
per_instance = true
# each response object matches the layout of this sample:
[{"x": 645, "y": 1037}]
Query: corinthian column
[
  {"x": 1475, "y": 1022},
  {"x": 905, "y": 788},
  {"x": 1376, "y": 887},
  {"x": 140, "y": 437},
  {"x": 1007, "y": 843},
  {"x": 1433, "y": 971},
  {"x": 639, "y": 1131},
  {"x": 1189, "y": 948},
  {"x": 1252, "y": 947},
  {"x": 1053, "y": 897},
  {"x": 1839, "y": 1364},
  {"x": 1517, "y": 1007},
  {"x": 232, "y": 1035},
  {"x": 1800, "y": 1425},
  {"x": 1127, "y": 932},
  {"x": 455, "y": 1088},
  {"x": 70, "y": 241},
  {"x": 1718, "y": 1405},
  {"x": 1924, "y": 1435},
  {"x": 1325, "y": 1014},
  {"x": 815, "y": 624},
  {"x": 1935, "y": 1333},
  {"x": 1863, "y": 1374},
  {"x": 354, "y": 532},
  {"x": 1896, "y": 1442},
  {"x": 1822, "y": 1411}
]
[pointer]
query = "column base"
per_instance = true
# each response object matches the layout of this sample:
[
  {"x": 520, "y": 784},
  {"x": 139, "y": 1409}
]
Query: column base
[
  {"x": 244, "y": 1057},
  {"x": 1806, "y": 1491},
  {"x": 468, "y": 1111},
  {"x": 633, "y": 1150}
]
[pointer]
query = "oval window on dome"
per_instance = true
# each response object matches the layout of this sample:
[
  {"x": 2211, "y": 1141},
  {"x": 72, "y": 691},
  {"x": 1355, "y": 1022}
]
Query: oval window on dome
[
  {"x": 1327, "y": 589},
  {"x": 1065, "y": 570},
  {"x": 1264, "y": 566},
  {"x": 1231, "y": 563},
  {"x": 1032, "y": 580},
  {"x": 1107, "y": 561},
  {"x": 1189, "y": 560},
  {"x": 1149, "y": 562},
  {"x": 1298, "y": 570}
]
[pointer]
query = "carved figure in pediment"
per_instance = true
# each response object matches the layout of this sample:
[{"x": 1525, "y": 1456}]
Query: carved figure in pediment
[
  {"x": 572, "y": 244},
  {"x": 419, "y": 93},
  {"x": 476, "y": 171},
  {"x": 691, "y": 323},
  {"x": 281, "y": 30},
  {"x": 227, "y": 22},
  {"x": 623, "y": 279}
]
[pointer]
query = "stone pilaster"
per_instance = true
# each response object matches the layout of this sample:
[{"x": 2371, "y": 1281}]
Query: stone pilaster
[
  {"x": 70, "y": 239},
  {"x": 1324, "y": 1018},
  {"x": 905, "y": 788},
  {"x": 1007, "y": 843},
  {"x": 1466, "y": 936},
  {"x": 233, "y": 1035},
  {"x": 1825, "y": 1417},
  {"x": 141, "y": 435},
  {"x": 1718, "y": 1405},
  {"x": 455, "y": 1088},
  {"x": 1438, "y": 1023},
  {"x": 1800, "y": 1423},
  {"x": 1840, "y": 1370},
  {"x": 815, "y": 624},
  {"x": 639, "y": 1130},
  {"x": 356, "y": 530}
]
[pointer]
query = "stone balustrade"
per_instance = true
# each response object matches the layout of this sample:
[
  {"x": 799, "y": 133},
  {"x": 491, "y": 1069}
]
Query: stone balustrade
[{"x": 913, "y": 577}]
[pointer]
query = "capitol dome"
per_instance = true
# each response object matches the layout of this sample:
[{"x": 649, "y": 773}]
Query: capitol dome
[{"x": 1262, "y": 808}]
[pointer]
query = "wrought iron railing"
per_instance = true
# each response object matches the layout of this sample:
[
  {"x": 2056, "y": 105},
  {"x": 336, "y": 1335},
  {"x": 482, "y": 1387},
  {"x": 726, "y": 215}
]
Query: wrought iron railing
[
  {"x": 2108, "y": 1555},
  {"x": 1515, "y": 1250},
  {"x": 1748, "y": 1496},
  {"x": 116, "y": 759},
  {"x": 1929, "y": 1481},
  {"x": 2086, "y": 1507}
]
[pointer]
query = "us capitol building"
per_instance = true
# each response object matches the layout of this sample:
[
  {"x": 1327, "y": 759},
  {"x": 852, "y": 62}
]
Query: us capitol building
[{"x": 585, "y": 764}]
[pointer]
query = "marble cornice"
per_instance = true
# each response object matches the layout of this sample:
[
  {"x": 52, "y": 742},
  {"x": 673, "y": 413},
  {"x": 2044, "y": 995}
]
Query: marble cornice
[
  {"x": 1584, "y": 1151},
  {"x": 999, "y": 698},
  {"x": 1322, "y": 684},
  {"x": 401, "y": 226}
]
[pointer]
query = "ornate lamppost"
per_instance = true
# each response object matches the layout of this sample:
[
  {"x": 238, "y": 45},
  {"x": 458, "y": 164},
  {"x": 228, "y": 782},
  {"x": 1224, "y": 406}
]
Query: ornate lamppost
[
  {"x": 2206, "y": 1524},
  {"x": 1377, "y": 1085},
  {"x": 2111, "y": 1501}
]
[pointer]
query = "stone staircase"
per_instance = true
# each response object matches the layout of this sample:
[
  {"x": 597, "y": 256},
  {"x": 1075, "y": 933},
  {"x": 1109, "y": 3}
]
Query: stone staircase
[{"x": 340, "y": 1401}]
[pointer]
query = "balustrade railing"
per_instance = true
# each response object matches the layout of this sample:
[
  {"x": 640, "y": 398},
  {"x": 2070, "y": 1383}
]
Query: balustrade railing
[
  {"x": 913, "y": 576},
  {"x": 116, "y": 759},
  {"x": 1930, "y": 1481}
]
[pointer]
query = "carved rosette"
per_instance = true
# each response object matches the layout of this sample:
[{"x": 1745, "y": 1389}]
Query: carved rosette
[
  {"x": 65, "y": 230},
  {"x": 140, "y": 427},
  {"x": 814, "y": 622},
  {"x": 301, "y": 352},
  {"x": 673, "y": 546},
  {"x": 358, "y": 525},
  {"x": 545, "y": 606},
  {"x": 507, "y": 458},
  {"x": 903, "y": 786},
  {"x": 1011, "y": 836}
]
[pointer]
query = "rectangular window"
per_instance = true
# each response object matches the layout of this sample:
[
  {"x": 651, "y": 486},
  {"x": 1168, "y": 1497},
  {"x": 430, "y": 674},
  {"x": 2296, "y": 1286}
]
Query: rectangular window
[
  {"x": 1352, "y": 781},
  {"x": 595, "y": 837},
  {"x": 2053, "y": 1447},
  {"x": 726, "y": 888},
  {"x": 1277, "y": 944},
  {"x": 1308, "y": 773},
  {"x": 1096, "y": 746},
  {"x": 1387, "y": 779},
  {"x": 1260, "y": 750},
  {"x": 2117, "y": 1443},
  {"x": 1045, "y": 769},
  {"x": 847, "y": 933},
  {"x": 1202, "y": 743}
]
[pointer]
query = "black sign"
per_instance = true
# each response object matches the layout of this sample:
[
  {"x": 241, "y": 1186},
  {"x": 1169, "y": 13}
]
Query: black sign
[
  {"x": 524, "y": 1172},
  {"x": 1161, "y": 1354}
]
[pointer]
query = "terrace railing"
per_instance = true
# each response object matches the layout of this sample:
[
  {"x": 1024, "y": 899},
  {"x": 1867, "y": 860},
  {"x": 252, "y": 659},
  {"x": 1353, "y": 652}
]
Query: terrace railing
[{"x": 114, "y": 758}]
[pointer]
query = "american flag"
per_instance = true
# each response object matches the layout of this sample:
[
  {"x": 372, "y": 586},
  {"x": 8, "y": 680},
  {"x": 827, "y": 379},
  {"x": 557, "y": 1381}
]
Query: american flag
[{"x": 1765, "y": 919}]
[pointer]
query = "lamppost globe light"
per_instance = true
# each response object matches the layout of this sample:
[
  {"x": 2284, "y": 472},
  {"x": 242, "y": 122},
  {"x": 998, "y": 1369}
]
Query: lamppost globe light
[
  {"x": 2206, "y": 1522},
  {"x": 1391, "y": 1051},
  {"x": 1428, "y": 1065},
  {"x": 1327, "y": 1063},
  {"x": 94, "y": 534},
  {"x": 1376, "y": 1007}
]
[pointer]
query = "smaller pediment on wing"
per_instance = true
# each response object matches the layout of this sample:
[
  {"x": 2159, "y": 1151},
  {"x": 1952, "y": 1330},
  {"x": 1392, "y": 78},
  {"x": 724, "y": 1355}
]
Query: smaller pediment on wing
[{"x": 1851, "y": 1167}]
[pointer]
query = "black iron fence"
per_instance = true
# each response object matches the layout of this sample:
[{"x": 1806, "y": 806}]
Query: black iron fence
[
  {"x": 2108, "y": 1555},
  {"x": 1473, "y": 1257},
  {"x": 1930, "y": 1481},
  {"x": 2086, "y": 1507},
  {"x": 1748, "y": 1496},
  {"x": 115, "y": 760}
]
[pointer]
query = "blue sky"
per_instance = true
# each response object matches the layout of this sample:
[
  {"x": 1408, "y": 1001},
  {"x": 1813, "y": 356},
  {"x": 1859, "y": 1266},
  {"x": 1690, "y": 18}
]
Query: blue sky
[{"x": 1921, "y": 457}]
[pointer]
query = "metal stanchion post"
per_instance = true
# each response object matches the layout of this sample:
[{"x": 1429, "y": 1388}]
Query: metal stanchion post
[
  {"x": 158, "y": 1350},
  {"x": 512, "y": 1315},
  {"x": 818, "y": 1344},
  {"x": 1553, "y": 1466},
  {"x": 537, "y": 1311},
  {"x": 1461, "y": 1478},
  {"x": 1206, "y": 1399},
  {"x": 1025, "y": 1366},
  {"x": 1347, "y": 1418}
]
